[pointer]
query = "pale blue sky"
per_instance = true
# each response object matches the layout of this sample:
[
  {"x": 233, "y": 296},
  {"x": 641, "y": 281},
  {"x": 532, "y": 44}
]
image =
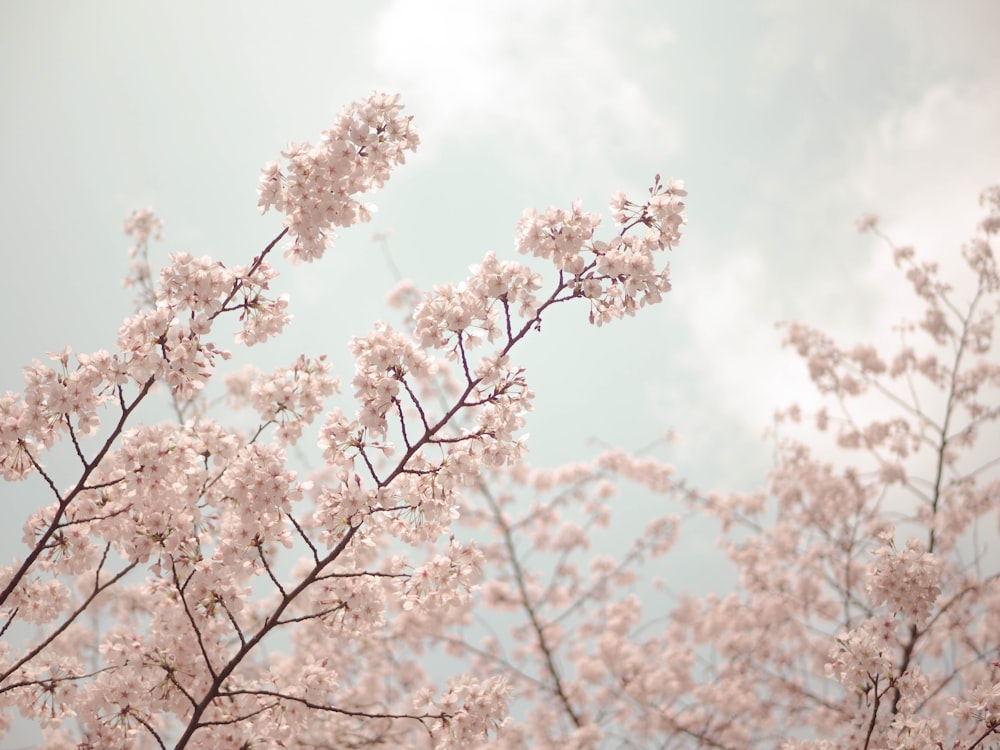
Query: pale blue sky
[{"x": 786, "y": 119}]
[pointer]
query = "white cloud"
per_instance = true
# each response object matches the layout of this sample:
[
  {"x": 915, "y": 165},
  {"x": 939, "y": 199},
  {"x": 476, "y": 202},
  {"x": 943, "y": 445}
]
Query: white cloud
[
  {"x": 923, "y": 166},
  {"x": 742, "y": 372},
  {"x": 541, "y": 74}
]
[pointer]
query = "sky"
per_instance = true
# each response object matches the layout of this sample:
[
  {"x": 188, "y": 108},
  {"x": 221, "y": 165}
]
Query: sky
[{"x": 787, "y": 121}]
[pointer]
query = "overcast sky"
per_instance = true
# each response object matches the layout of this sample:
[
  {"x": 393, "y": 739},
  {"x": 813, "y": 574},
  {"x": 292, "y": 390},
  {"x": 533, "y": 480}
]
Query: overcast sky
[{"x": 787, "y": 120}]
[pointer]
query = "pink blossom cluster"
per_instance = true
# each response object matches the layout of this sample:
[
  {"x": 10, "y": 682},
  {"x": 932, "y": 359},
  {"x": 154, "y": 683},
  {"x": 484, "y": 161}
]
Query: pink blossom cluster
[
  {"x": 479, "y": 308},
  {"x": 863, "y": 655},
  {"x": 143, "y": 224},
  {"x": 617, "y": 276},
  {"x": 908, "y": 582},
  {"x": 290, "y": 397},
  {"x": 444, "y": 582},
  {"x": 317, "y": 189},
  {"x": 474, "y": 708}
]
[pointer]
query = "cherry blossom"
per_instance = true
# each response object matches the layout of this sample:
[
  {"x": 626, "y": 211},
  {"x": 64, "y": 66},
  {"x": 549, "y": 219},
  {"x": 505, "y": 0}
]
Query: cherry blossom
[{"x": 199, "y": 584}]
